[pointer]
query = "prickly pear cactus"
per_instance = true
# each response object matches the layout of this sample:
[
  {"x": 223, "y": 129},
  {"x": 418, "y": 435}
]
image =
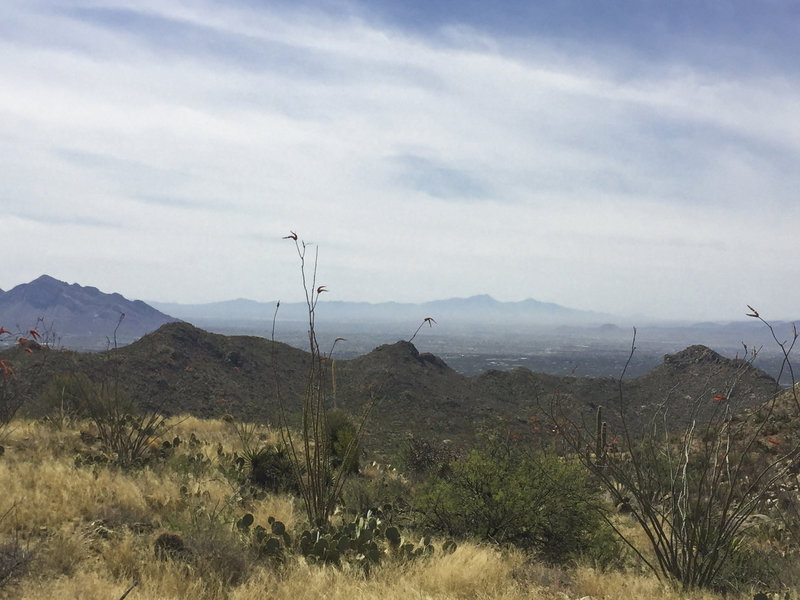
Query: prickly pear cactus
[
  {"x": 271, "y": 544},
  {"x": 365, "y": 541}
]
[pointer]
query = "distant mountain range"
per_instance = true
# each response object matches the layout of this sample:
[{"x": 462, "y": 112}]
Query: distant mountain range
[
  {"x": 482, "y": 309},
  {"x": 83, "y": 317},
  {"x": 75, "y": 316}
]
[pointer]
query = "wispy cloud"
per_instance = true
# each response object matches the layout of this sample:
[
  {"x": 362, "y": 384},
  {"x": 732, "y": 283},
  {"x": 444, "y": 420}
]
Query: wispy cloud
[
  {"x": 606, "y": 162},
  {"x": 441, "y": 181}
]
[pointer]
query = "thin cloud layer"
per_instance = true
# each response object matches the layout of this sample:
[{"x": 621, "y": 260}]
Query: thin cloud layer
[{"x": 634, "y": 164}]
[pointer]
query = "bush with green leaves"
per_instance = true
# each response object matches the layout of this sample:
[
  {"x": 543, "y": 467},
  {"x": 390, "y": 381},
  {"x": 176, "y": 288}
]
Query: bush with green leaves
[
  {"x": 499, "y": 493},
  {"x": 266, "y": 466},
  {"x": 421, "y": 458},
  {"x": 271, "y": 469},
  {"x": 362, "y": 493},
  {"x": 345, "y": 445}
]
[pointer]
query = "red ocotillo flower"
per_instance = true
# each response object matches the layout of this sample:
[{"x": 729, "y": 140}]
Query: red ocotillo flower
[{"x": 7, "y": 371}]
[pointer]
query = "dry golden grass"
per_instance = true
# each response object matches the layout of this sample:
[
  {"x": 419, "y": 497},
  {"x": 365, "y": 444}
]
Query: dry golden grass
[
  {"x": 94, "y": 526},
  {"x": 471, "y": 572},
  {"x": 216, "y": 431}
]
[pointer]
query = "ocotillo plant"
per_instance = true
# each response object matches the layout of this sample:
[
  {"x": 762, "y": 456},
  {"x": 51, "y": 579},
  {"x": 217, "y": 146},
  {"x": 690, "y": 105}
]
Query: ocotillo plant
[
  {"x": 320, "y": 475},
  {"x": 692, "y": 490}
]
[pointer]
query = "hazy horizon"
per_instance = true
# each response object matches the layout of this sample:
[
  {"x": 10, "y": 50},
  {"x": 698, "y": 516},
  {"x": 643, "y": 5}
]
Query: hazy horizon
[{"x": 590, "y": 316}]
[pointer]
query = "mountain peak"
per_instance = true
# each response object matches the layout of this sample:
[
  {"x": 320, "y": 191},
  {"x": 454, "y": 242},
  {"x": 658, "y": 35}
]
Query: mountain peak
[
  {"x": 481, "y": 298},
  {"x": 45, "y": 279},
  {"x": 41, "y": 293},
  {"x": 693, "y": 355},
  {"x": 405, "y": 353},
  {"x": 78, "y": 314},
  {"x": 400, "y": 349},
  {"x": 477, "y": 301}
]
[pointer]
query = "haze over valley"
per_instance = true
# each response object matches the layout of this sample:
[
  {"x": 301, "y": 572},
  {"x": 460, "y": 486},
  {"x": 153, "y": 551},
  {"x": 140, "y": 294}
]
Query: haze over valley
[{"x": 472, "y": 335}]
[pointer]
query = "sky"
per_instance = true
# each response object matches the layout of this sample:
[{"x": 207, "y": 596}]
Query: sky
[{"x": 638, "y": 158}]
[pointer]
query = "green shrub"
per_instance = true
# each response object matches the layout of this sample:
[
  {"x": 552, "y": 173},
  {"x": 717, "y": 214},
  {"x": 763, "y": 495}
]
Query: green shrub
[
  {"x": 532, "y": 501},
  {"x": 361, "y": 493},
  {"x": 345, "y": 446},
  {"x": 271, "y": 469},
  {"x": 422, "y": 458}
]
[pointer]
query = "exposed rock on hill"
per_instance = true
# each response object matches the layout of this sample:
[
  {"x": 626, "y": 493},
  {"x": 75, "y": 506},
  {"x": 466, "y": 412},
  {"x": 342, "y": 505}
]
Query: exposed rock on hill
[
  {"x": 693, "y": 356},
  {"x": 691, "y": 381}
]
